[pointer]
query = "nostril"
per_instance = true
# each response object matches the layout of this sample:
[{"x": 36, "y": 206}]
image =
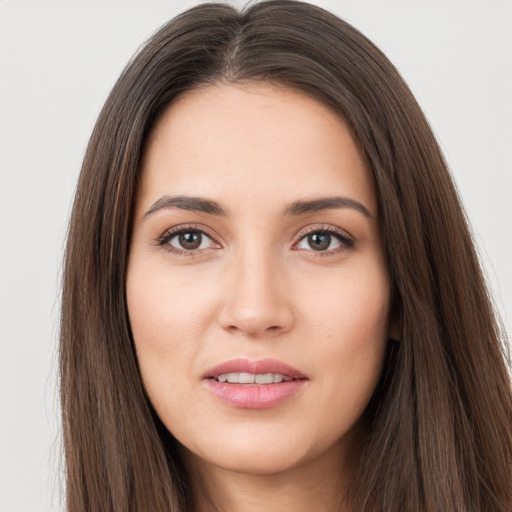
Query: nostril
[{"x": 255, "y": 319}]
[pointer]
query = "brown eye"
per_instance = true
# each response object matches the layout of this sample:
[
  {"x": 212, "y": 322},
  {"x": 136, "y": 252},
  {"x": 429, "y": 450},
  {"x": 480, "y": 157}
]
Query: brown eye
[
  {"x": 319, "y": 241},
  {"x": 189, "y": 241},
  {"x": 327, "y": 241},
  {"x": 186, "y": 240}
]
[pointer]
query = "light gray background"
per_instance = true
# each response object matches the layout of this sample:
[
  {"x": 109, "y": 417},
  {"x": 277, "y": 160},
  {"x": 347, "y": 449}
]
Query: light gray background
[{"x": 59, "y": 59}]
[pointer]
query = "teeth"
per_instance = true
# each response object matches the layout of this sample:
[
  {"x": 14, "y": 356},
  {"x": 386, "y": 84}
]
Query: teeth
[
  {"x": 267, "y": 378},
  {"x": 251, "y": 378},
  {"x": 245, "y": 378}
]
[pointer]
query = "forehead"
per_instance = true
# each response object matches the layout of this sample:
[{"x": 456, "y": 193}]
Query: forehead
[{"x": 235, "y": 142}]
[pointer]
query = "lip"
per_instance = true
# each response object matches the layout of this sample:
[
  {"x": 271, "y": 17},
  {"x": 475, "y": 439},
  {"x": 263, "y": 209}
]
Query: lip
[
  {"x": 255, "y": 396},
  {"x": 256, "y": 367}
]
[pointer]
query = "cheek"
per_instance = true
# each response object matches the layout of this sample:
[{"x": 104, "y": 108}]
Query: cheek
[
  {"x": 350, "y": 327},
  {"x": 162, "y": 307},
  {"x": 353, "y": 307},
  {"x": 162, "y": 358},
  {"x": 161, "y": 318}
]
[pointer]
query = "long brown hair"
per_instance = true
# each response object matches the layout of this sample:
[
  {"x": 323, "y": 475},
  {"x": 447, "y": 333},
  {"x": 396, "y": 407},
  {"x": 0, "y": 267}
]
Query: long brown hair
[{"x": 439, "y": 424}]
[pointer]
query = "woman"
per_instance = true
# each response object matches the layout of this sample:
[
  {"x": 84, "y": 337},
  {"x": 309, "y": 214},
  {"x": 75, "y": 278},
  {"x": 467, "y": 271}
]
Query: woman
[{"x": 271, "y": 297}]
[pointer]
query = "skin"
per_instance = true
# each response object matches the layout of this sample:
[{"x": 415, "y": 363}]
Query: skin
[{"x": 257, "y": 289}]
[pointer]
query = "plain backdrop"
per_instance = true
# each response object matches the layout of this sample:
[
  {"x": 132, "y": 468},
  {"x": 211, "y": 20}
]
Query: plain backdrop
[{"x": 58, "y": 61}]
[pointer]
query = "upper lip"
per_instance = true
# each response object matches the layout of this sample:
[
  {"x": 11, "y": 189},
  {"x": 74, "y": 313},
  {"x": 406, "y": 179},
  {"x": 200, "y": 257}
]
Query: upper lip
[{"x": 261, "y": 366}]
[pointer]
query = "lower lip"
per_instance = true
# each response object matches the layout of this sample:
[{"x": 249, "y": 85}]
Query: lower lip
[{"x": 255, "y": 396}]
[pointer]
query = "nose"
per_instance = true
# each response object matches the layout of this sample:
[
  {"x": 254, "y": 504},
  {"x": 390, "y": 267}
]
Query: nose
[{"x": 257, "y": 302}]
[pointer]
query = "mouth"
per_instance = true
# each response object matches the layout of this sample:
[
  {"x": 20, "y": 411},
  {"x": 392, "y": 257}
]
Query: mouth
[
  {"x": 251, "y": 378},
  {"x": 245, "y": 371},
  {"x": 259, "y": 384}
]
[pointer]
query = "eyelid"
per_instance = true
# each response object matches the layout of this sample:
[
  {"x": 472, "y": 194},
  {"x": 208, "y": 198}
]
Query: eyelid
[
  {"x": 347, "y": 240},
  {"x": 169, "y": 234},
  {"x": 343, "y": 237}
]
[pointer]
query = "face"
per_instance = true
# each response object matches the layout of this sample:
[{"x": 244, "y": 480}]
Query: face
[{"x": 257, "y": 290}]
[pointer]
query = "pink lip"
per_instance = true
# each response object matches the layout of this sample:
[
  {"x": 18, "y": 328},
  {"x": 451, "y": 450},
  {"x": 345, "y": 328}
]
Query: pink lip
[{"x": 254, "y": 396}]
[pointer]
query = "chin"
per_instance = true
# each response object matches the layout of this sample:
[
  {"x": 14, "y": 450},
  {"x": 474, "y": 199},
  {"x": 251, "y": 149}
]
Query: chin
[
  {"x": 248, "y": 460},
  {"x": 257, "y": 451}
]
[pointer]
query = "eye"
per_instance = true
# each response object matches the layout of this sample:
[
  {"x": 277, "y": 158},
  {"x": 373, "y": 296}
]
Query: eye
[
  {"x": 189, "y": 240},
  {"x": 185, "y": 240},
  {"x": 325, "y": 240}
]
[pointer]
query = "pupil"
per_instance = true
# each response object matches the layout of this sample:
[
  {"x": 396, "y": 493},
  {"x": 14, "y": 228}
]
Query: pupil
[
  {"x": 319, "y": 242},
  {"x": 191, "y": 240}
]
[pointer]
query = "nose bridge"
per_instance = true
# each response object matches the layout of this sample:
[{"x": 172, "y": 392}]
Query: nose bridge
[{"x": 256, "y": 299}]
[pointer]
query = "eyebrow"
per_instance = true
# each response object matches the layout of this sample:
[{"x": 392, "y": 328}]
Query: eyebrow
[
  {"x": 325, "y": 203},
  {"x": 301, "y": 207},
  {"x": 195, "y": 204}
]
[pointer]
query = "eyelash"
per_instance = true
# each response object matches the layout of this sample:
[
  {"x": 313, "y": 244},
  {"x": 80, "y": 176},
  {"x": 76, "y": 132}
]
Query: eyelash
[
  {"x": 346, "y": 241},
  {"x": 164, "y": 240}
]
